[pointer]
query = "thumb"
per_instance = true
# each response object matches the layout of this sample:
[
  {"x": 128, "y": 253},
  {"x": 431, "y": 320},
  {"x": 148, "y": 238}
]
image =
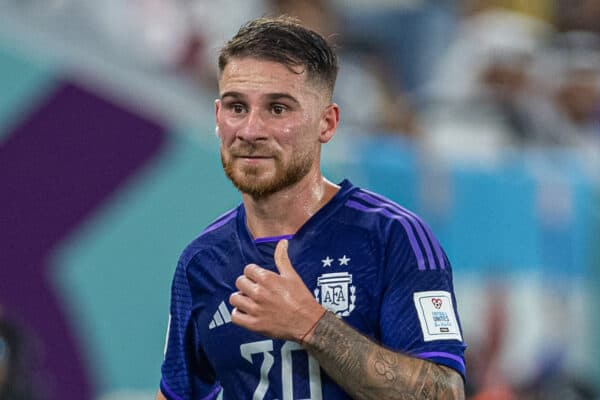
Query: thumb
[{"x": 282, "y": 260}]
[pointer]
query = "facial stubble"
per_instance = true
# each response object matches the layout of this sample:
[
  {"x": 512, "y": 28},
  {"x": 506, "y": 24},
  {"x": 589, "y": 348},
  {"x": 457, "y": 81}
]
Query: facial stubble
[{"x": 248, "y": 180}]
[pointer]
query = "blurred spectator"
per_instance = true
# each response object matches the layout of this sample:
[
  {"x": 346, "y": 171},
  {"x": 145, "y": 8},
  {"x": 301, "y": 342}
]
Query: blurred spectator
[
  {"x": 491, "y": 376},
  {"x": 169, "y": 35},
  {"x": 213, "y": 22},
  {"x": 368, "y": 100},
  {"x": 576, "y": 89},
  {"x": 541, "y": 9},
  {"x": 408, "y": 35},
  {"x": 566, "y": 112},
  {"x": 180, "y": 37},
  {"x": 577, "y": 15},
  {"x": 486, "y": 380},
  {"x": 482, "y": 96},
  {"x": 14, "y": 378}
]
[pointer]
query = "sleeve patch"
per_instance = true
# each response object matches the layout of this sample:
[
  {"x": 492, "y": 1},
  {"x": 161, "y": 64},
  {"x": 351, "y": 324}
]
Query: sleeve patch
[{"x": 436, "y": 315}]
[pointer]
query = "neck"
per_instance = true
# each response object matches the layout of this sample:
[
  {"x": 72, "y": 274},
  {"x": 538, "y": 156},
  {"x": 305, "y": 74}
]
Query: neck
[{"x": 284, "y": 212}]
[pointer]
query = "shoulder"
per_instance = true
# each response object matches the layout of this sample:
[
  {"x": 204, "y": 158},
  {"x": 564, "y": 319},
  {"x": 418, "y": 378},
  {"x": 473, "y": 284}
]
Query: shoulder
[
  {"x": 217, "y": 234},
  {"x": 397, "y": 226},
  {"x": 370, "y": 207}
]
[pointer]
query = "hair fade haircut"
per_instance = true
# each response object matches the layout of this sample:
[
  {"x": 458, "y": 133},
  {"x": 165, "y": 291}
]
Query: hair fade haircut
[{"x": 284, "y": 40}]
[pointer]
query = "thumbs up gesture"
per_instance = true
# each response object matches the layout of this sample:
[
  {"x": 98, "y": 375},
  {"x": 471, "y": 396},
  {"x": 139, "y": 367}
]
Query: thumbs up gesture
[{"x": 277, "y": 305}]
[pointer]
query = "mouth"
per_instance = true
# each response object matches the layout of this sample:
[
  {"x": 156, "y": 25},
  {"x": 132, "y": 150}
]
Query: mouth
[
  {"x": 245, "y": 157},
  {"x": 251, "y": 156},
  {"x": 252, "y": 160}
]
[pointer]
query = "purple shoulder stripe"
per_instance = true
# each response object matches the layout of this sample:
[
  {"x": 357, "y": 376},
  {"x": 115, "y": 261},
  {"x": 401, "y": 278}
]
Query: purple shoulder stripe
[
  {"x": 214, "y": 394},
  {"x": 403, "y": 221},
  {"x": 423, "y": 231},
  {"x": 442, "y": 354},
  {"x": 220, "y": 222},
  {"x": 167, "y": 392}
]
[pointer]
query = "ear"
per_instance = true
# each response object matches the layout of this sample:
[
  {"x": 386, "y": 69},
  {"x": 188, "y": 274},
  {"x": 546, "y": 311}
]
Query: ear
[
  {"x": 217, "y": 109},
  {"x": 329, "y": 122}
]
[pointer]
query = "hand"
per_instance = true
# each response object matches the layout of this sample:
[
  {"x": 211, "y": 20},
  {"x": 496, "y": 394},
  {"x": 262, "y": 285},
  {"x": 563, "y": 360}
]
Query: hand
[{"x": 276, "y": 305}]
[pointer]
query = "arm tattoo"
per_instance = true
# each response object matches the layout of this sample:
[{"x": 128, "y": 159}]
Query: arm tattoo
[{"x": 369, "y": 371}]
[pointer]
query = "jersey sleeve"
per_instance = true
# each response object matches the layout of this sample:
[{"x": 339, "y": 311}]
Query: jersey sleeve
[
  {"x": 186, "y": 373},
  {"x": 419, "y": 314}
]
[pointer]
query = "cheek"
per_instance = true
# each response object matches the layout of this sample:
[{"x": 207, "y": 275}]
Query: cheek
[
  {"x": 290, "y": 138},
  {"x": 225, "y": 132},
  {"x": 299, "y": 135}
]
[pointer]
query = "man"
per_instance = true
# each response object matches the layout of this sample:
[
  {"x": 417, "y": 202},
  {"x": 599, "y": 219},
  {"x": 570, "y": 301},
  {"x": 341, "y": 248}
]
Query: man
[
  {"x": 15, "y": 382},
  {"x": 305, "y": 274}
]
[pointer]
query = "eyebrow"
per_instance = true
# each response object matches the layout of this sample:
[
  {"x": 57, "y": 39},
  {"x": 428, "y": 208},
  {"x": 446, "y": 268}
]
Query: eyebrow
[
  {"x": 270, "y": 96},
  {"x": 231, "y": 94},
  {"x": 279, "y": 96}
]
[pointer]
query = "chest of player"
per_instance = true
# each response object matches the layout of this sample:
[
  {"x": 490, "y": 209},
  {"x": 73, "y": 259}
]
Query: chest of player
[{"x": 345, "y": 279}]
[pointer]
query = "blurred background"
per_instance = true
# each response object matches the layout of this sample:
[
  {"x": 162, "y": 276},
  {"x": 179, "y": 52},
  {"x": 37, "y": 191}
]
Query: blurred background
[{"x": 481, "y": 115}]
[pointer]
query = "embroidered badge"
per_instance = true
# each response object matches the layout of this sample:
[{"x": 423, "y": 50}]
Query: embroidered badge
[
  {"x": 336, "y": 293},
  {"x": 436, "y": 315}
]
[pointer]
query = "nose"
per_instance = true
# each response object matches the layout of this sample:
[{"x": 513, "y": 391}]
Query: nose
[{"x": 252, "y": 127}]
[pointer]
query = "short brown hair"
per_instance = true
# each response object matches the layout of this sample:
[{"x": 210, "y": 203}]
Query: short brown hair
[{"x": 284, "y": 40}]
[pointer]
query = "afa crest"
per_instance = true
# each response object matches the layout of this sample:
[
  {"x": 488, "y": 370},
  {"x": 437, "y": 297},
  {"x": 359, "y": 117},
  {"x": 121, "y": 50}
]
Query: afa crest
[{"x": 336, "y": 293}]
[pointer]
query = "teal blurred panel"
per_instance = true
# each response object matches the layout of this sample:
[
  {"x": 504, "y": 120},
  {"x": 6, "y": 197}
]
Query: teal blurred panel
[
  {"x": 391, "y": 168},
  {"x": 116, "y": 272},
  {"x": 23, "y": 81},
  {"x": 592, "y": 239},
  {"x": 586, "y": 231},
  {"x": 383, "y": 164},
  {"x": 493, "y": 225}
]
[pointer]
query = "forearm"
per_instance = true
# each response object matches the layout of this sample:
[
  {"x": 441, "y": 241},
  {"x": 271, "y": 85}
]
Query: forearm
[{"x": 368, "y": 371}]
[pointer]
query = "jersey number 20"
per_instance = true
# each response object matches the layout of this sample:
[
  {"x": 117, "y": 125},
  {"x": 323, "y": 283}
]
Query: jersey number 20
[{"x": 266, "y": 348}]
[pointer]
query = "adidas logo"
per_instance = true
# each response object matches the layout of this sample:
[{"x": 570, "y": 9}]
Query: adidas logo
[{"x": 220, "y": 317}]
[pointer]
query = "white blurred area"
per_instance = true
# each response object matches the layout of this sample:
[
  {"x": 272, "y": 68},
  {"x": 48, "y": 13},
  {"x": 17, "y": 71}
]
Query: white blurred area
[
  {"x": 134, "y": 50},
  {"x": 501, "y": 77},
  {"x": 494, "y": 77}
]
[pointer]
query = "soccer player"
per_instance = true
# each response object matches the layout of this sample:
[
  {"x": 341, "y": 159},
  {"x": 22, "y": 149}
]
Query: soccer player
[{"x": 308, "y": 289}]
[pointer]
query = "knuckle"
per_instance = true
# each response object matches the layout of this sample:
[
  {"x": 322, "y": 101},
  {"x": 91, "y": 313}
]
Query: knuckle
[
  {"x": 233, "y": 298},
  {"x": 239, "y": 281},
  {"x": 259, "y": 293},
  {"x": 250, "y": 270}
]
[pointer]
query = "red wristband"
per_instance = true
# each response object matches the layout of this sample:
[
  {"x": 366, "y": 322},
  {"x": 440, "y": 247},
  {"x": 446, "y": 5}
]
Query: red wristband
[{"x": 313, "y": 326}]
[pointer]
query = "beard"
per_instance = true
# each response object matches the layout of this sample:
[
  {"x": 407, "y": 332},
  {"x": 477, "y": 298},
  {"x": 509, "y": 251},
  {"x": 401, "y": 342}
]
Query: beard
[{"x": 258, "y": 182}]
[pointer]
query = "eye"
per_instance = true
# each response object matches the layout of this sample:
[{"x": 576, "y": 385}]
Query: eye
[
  {"x": 237, "y": 108},
  {"x": 278, "y": 109}
]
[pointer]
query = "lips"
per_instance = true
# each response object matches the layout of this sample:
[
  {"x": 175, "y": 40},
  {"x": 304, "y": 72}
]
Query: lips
[
  {"x": 250, "y": 154},
  {"x": 252, "y": 157}
]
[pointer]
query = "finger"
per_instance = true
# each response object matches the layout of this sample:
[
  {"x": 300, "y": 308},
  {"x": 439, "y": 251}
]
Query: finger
[
  {"x": 240, "y": 318},
  {"x": 242, "y": 303},
  {"x": 256, "y": 274},
  {"x": 246, "y": 285},
  {"x": 282, "y": 260}
]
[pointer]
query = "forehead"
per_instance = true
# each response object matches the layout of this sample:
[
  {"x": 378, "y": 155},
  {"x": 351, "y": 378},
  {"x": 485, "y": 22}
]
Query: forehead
[{"x": 253, "y": 76}]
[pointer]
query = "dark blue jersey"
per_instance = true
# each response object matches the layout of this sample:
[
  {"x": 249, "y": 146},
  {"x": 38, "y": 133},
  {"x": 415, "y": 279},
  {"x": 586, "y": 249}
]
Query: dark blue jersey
[{"x": 373, "y": 263}]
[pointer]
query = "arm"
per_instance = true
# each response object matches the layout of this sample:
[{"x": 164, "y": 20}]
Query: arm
[
  {"x": 181, "y": 375},
  {"x": 281, "y": 306},
  {"x": 369, "y": 371}
]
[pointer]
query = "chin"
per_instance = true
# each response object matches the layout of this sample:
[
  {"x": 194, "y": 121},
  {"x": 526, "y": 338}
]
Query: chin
[
  {"x": 259, "y": 183},
  {"x": 256, "y": 187}
]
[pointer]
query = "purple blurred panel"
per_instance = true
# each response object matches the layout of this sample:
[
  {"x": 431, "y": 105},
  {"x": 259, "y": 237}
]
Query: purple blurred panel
[{"x": 61, "y": 163}]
